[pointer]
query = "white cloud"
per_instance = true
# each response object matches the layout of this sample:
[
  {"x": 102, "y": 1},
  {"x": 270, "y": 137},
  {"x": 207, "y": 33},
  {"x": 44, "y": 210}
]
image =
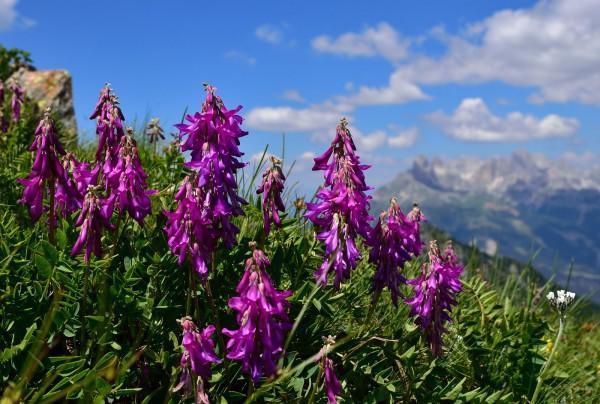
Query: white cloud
[
  {"x": 553, "y": 47},
  {"x": 10, "y": 18},
  {"x": 320, "y": 121},
  {"x": 7, "y": 13},
  {"x": 382, "y": 40},
  {"x": 240, "y": 57},
  {"x": 473, "y": 121},
  {"x": 370, "y": 141},
  {"x": 405, "y": 138},
  {"x": 293, "y": 95},
  {"x": 398, "y": 91},
  {"x": 269, "y": 33},
  {"x": 314, "y": 118}
]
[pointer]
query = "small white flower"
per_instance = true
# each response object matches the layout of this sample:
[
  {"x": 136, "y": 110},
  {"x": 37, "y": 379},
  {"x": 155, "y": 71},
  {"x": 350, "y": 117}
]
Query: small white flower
[{"x": 561, "y": 300}]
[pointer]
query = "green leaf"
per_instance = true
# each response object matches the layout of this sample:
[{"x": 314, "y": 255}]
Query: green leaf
[
  {"x": 454, "y": 393},
  {"x": 494, "y": 397},
  {"x": 61, "y": 239},
  {"x": 49, "y": 251},
  {"x": 409, "y": 354},
  {"x": 43, "y": 266}
]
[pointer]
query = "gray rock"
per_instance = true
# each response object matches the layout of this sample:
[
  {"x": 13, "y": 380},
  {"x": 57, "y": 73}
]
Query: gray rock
[{"x": 53, "y": 88}]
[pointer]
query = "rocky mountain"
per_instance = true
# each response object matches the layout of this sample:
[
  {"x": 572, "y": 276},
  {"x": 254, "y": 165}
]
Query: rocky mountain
[{"x": 524, "y": 206}]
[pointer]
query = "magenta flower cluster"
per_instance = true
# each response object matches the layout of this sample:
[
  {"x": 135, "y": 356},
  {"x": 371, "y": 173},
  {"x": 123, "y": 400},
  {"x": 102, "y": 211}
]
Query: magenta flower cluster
[
  {"x": 341, "y": 214},
  {"x": 117, "y": 179},
  {"x": 212, "y": 137},
  {"x": 17, "y": 100},
  {"x": 262, "y": 319},
  {"x": 187, "y": 236},
  {"x": 109, "y": 127},
  {"x": 271, "y": 189},
  {"x": 333, "y": 387},
  {"x": 435, "y": 294},
  {"x": 394, "y": 241},
  {"x": 93, "y": 219},
  {"x": 127, "y": 181},
  {"x": 197, "y": 358},
  {"x": 118, "y": 171},
  {"x": 47, "y": 173}
]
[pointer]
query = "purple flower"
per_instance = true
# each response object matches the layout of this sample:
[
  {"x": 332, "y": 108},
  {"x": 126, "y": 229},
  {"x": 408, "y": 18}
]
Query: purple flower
[
  {"x": 93, "y": 219},
  {"x": 4, "y": 122},
  {"x": 127, "y": 180},
  {"x": 188, "y": 228},
  {"x": 16, "y": 101},
  {"x": 197, "y": 357},
  {"x": 262, "y": 318},
  {"x": 109, "y": 127},
  {"x": 394, "y": 241},
  {"x": 271, "y": 188},
  {"x": 342, "y": 213},
  {"x": 82, "y": 174},
  {"x": 212, "y": 137},
  {"x": 435, "y": 291},
  {"x": 47, "y": 172},
  {"x": 333, "y": 386}
]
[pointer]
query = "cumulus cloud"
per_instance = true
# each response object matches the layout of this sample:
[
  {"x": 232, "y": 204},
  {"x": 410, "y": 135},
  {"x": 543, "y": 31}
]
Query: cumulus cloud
[
  {"x": 382, "y": 40},
  {"x": 405, "y": 138},
  {"x": 239, "y": 57},
  {"x": 286, "y": 119},
  {"x": 9, "y": 17},
  {"x": 398, "y": 91},
  {"x": 319, "y": 121},
  {"x": 293, "y": 95},
  {"x": 553, "y": 47},
  {"x": 269, "y": 33},
  {"x": 473, "y": 121},
  {"x": 7, "y": 13},
  {"x": 370, "y": 141}
]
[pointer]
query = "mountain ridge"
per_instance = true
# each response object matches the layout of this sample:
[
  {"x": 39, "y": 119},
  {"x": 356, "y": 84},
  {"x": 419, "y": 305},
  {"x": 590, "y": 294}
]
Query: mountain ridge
[{"x": 519, "y": 206}]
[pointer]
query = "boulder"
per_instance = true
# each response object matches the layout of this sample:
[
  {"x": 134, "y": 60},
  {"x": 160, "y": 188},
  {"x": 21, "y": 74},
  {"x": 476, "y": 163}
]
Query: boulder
[{"x": 53, "y": 88}]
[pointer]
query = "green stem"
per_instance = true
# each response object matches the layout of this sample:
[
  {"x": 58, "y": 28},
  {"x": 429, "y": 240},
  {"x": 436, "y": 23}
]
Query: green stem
[
  {"x": 52, "y": 213},
  {"x": 315, "y": 387},
  {"x": 299, "y": 318},
  {"x": 188, "y": 303},
  {"x": 116, "y": 235},
  {"x": 540, "y": 379},
  {"x": 194, "y": 288},
  {"x": 86, "y": 285},
  {"x": 372, "y": 307},
  {"x": 213, "y": 307},
  {"x": 250, "y": 386}
]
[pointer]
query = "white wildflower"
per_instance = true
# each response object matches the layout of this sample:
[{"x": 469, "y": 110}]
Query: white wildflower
[{"x": 561, "y": 300}]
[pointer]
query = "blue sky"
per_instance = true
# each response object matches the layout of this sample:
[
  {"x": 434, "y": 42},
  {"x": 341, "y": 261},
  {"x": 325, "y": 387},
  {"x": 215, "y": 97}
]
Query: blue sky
[{"x": 453, "y": 78}]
